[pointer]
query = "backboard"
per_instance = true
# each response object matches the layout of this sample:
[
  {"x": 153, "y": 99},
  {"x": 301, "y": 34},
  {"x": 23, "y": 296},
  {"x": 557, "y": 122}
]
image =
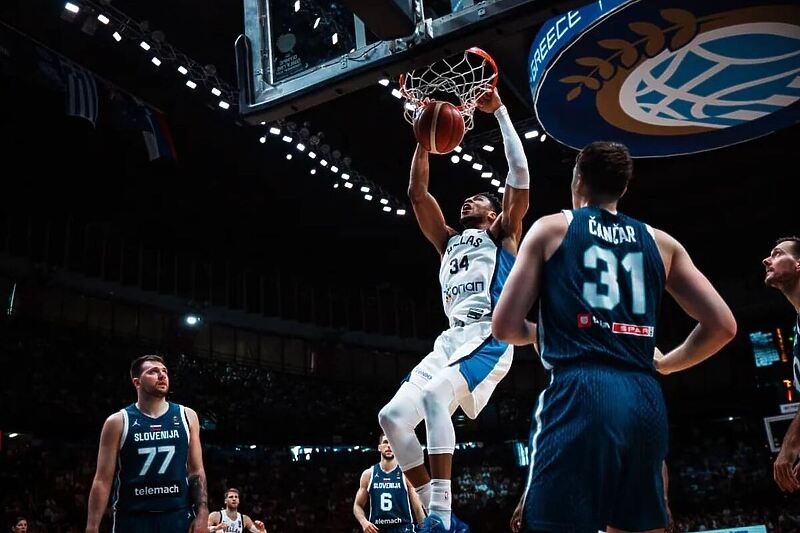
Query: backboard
[{"x": 298, "y": 54}]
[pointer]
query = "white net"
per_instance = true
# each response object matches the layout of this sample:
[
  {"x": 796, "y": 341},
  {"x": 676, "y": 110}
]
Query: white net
[{"x": 466, "y": 78}]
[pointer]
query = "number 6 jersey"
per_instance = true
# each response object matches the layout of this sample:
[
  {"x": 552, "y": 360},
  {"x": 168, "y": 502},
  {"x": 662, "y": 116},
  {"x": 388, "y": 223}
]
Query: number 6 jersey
[
  {"x": 601, "y": 292},
  {"x": 152, "y": 466},
  {"x": 472, "y": 274}
]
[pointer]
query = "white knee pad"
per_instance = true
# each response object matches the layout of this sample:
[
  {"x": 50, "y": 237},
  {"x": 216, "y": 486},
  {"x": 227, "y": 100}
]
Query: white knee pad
[{"x": 398, "y": 419}]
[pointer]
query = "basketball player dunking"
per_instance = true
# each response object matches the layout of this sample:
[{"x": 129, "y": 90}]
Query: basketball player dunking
[
  {"x": 467, "y": 362},
  {"x": 231, "y": 520},
  {"x": 783, "y": 273},
  {"x": 160, "y": 484},
  {"x": 392, "y": 499},
  {"x": 601, "y": 426}
]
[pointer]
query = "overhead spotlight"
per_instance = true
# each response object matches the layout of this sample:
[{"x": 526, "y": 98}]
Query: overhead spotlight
[
  {"x": 224, "y": 105},
  {"x": 477, "y": 166},
  {"x": 72, "y": 8},
  {"x": 455, "y": 159},
  {"x": 368, "y": 197},
  {"x": 336, "y": 185},
  {"x": 384, "y": 201},
  {"x": 190, "y": 84},
  {"x": 486, "y": 174},
  {"x": 252, "y": 446},
  {"x": 156, "y": 61},
  {"x": 275, "y": 131},
  {"x": 543, "y": 138},
  {"x": 312, "y": 155},
  {"x": 104, "y": 19},
  {"x": 263, "y": 123},
  {"x": 345, "y": 176},
  {"x": 334, "y": 169},
  {"x": 216, "y": 92},
  {"x": 335, "y": 38},
  {"x": 495, "y": 182},
  {"x": 288, "y": 156},
  {"x": 323, "y": 162},
  {"x": 409, "y": 106},
  {"x": 13, "y": 435},
  {"x": 384, "y": 82},
  {"x": 466, "y": 157},
  {"x": 501, "y": 190},
  {"x": 458, "y": 149},
  {"x": 117, "y": 37},
  {"x": 313, "y": 171},
  {"x": 144, "y": 46},
  {"x": 297, "y": 6},
  {"x": 301, "y": 147},
  {"x": 286, "y": 139},
  {"x": 191, "y": 320},
  {"x": 387, "y": 209},
  {"x": 183, "y": 70},
  {"x": 263, "y": 139},
  {"x": 396, "y": 93},
  {"x": 364, "y": 189},
  {"x": 488, "y": 147},
  {"x": 531, "y": 134},
  {"x": 348, "y": 184},
  {"x": 316, "y": 22},
  {"x": 401, "y": 212}
]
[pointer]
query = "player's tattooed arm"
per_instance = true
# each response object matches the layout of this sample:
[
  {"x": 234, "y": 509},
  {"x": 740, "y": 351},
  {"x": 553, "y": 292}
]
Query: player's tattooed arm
[{"x": 198, "y": 491}]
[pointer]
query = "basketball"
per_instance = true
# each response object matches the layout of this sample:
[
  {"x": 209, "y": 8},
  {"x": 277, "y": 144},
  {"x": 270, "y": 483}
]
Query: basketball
[{"x": 439, "y": 127}]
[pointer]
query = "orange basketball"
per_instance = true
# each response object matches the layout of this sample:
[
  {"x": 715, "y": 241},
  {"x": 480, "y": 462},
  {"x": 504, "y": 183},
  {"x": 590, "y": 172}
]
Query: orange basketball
[{"x": 439, "y": 127}]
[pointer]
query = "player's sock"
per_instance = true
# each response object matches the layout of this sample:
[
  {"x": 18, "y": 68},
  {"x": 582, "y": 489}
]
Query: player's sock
[
  {"x": 441, "y": 500},
  {"x": 424, "y": 493}
]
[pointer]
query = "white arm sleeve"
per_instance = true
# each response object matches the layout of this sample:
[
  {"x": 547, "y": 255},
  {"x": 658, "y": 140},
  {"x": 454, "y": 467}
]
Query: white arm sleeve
[{"x": 518, "y": 176}]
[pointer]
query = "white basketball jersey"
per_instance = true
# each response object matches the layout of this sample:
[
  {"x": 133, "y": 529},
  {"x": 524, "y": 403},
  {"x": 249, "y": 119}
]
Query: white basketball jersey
[
  {"x": 472, "y": 274},
  {"x": 232, "y": 526}
]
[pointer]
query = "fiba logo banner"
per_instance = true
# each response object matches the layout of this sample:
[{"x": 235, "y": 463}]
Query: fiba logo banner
[{"x": 674, "y": 77}]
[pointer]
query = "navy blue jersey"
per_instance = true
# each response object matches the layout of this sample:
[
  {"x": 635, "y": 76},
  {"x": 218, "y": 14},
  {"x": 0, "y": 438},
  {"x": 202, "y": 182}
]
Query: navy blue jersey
[
  {"x": 389, "y": 505},
  {"x": 601, "y": 292},
  {"x": 152, "y": 474},
  {"x": 796, "y": 354}
]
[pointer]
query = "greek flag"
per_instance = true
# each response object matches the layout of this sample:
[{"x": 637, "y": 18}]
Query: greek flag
[{"x": 81, "y": 92}]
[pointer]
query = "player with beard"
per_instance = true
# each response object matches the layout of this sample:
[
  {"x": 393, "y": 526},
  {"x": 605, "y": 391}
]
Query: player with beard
[
  {"x": 467, "y": 361},
  {"x": 154, "y": 446},
  {"x": 230, "y": 520}
]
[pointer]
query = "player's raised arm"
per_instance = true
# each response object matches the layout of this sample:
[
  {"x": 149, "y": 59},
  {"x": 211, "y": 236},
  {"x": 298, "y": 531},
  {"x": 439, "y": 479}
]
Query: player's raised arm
[
  {"x": 429, "y": 215},
  {"x": 516, "y": 195},
  {"x": 103, "y": 477},
  {"x": 253, "y": 526},
  {"x": 695, "y": 294},
  {"x": 362, "y": 495}
]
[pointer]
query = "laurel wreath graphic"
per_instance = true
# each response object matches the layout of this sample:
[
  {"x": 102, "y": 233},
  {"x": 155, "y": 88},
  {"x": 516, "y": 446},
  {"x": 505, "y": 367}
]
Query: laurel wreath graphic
[{"x": 683, "y": 29}]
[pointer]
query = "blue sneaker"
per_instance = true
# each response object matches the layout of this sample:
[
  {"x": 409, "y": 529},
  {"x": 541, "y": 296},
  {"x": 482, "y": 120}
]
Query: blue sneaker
[
  {"x": 432, "y": 524},
  {"x": 457, "y": 526}
]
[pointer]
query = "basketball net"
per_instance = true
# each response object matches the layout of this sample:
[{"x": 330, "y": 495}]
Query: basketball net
[{"x": 467, "y": 77}]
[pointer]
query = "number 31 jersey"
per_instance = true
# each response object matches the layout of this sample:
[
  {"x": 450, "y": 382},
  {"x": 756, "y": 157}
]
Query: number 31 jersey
[
  {"x": 472, "y": 274},
  {"x": 153, "y": 457},
  {"x": 601, "y": 292}
]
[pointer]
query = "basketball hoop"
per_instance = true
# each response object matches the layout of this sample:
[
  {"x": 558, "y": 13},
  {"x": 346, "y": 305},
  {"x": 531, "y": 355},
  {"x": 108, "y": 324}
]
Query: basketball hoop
[{"x": 467, "y": 77}]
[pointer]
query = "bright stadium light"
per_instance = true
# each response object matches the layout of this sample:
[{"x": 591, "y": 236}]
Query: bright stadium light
[
  {"x": 486, "y": 174},
  {"x": 323, "y": 162},
  {"x": 316, "y": 22},
  {"x": 396, "y": 93},
  {"x": 117, "y": 37},
  {"x": 458, "y": 149},
  {"x": 72, "y": 8},
  {"x": 368, "y": 197},
  {"x": 224, "y": 105},
  {"x": 335, "y": 38},
  {"x": 334, "y": 169},
  {"x": 348, "y": 184},
  {"x": 531, "y": 134},
  {"x": 262, "y": 139},
  {"x": 401, "y": 212},
  {"x": 384, "y": 82},
  {"x": 191, "y": 320},
  {"x": 183, "y": 70},
  {"x": 216, "y": 92},
  {"x": 466, "y": 157},
  {"x": 286, "y": 139},
  {"x": 156, "y": 61},
  {"x": 345, "y": 176},
  {"x": 313, "y": 171},
  {"x": 454, "y": 159},
  {"x": 145, "y": 46},
  {"x": 543, "y": 138},
  {"x": 387, "y": 209},
  {"x": 301, "y": 147},
  {"x": 288, "y": 156},
  {"x": 384, "y": 201},
  {"x": 104, "y": 19},
  {"x": 275, "y": 131},
  {"x": 312, "y": 155},
  {"x": 488, "y": 147},
  {"x": 364, "y": 189},
  {"x": 477, "y": 166},
  {"x": 297, "y": 6},
  {"x": 496, "y": 183},
  {"x": 190, "y": 84}
]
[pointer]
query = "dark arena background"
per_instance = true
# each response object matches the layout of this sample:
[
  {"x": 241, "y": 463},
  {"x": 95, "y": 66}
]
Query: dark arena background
[{"x": 159, "y": 196}]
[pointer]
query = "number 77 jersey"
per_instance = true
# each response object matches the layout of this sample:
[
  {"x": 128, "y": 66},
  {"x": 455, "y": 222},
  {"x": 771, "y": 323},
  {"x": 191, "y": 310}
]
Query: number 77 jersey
[
  {"x": 153, "y": 457},
  {"x": 601, "y": 292}
]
